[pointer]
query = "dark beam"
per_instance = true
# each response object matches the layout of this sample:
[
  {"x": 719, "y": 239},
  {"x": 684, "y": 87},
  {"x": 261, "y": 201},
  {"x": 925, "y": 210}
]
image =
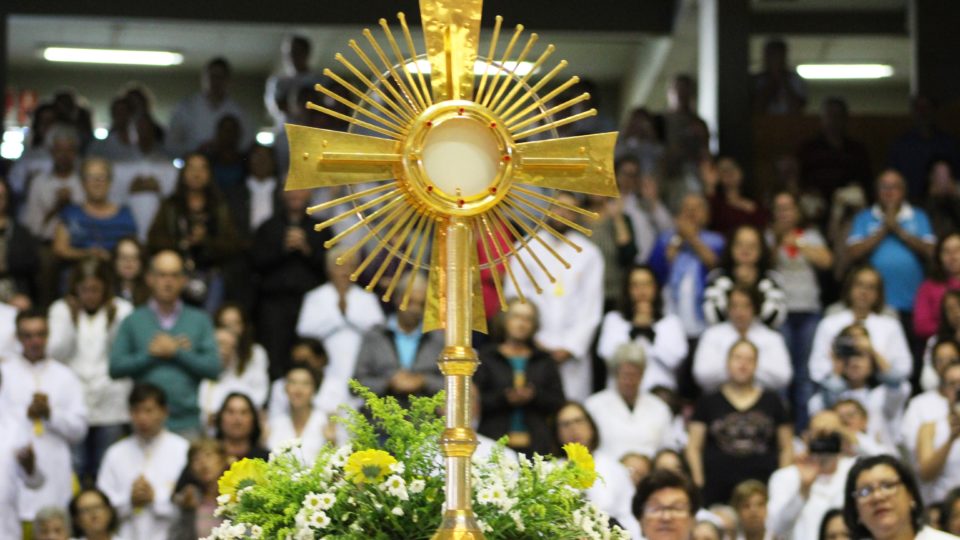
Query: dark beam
[
  {"x": 733, "y": 85},
  {"x": 935, "y": 42},
  {"x": 844, "y": 22},
  {"x": 648, "y": 16}
]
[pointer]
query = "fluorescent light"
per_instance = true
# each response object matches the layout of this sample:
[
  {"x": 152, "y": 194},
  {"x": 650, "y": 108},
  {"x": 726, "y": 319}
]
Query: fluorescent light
[
  {"x": 101, "y": 133},
  {"x": 424, "y": 67},
  {"x": 112, "y": 56},
  {"x": 265, "y": 138},
  {"x": 845, "y": 71}
]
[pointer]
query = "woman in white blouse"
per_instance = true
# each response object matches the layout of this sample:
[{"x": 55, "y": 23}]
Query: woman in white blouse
[
  {"x": 863, "y": 302},
  {"x": 312, "y": 426},
  {"x": 642, "y": 320},
  {"x": 82, "y": 326},
  {"x": 244, "y": 364}
]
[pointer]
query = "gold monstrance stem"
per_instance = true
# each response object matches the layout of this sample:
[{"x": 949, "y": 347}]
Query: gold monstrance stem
[{"x": 458, "y": 362}]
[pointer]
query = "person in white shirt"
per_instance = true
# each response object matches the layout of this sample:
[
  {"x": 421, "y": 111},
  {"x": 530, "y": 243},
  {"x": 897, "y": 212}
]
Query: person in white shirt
[
  {"x": 629, "y": 419},
  {"x": 309, "y": 352},
  {"x": 572, "y": 306},
  {"x": 314, "y": 427},
  {"x": 932, "y": 405},
  {"x": 863, "y": 301},
  {"x": 294, "y": 73},
  {"x": 195, "y": 118},
  {"x": 801, "y": 494},
  {"x": 861, "y": 373},
  {"x": 82, "y": 327},
  {"x": 50, "y": 192},
  {"x": 338, "y": 313},
  {"x": 255, "y": 200},
  {"x": 882, "y": 501},
  {"x": 18, "y": 471},
  {"x": 774, "y": 369},
  {"x": 48, "y": 398},
  {"x": 142, "y": 182},
  {"x": 139, "y": 472},
  {"x": 244, "y": 363},
  {"x": 643, "y": 321},
  {"x": 938, "y": 455}
]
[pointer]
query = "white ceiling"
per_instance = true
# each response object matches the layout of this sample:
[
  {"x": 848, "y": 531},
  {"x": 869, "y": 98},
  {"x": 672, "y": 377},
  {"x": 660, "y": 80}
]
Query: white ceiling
[{"x": 254, "y": 49}]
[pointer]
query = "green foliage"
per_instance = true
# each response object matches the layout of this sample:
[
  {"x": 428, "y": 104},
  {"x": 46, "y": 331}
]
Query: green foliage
[{"x": 515, "y": 500}]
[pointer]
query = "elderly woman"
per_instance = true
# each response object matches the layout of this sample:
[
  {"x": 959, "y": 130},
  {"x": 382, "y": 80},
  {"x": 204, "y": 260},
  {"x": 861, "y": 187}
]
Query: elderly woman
[
  {"x": 665, "y": 505},
  {"x": 93, "y": 228},
  {"x": 882, "y": 501},
  {"x": 628, "y": 419},
  {"x": 739, "y": 432},
  {"x": 51, "y": 523}
]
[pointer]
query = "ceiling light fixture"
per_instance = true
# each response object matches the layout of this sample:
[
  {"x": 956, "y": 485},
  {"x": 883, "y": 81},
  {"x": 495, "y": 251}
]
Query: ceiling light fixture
[
  {"x": 424, "y": 66},
  {"x": 845, "y": 71},
  {"x": 112, "y": 56}
]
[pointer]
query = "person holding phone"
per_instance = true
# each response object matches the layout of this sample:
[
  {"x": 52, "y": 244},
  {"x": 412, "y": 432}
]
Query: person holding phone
[{"x": 801, "y": 494}]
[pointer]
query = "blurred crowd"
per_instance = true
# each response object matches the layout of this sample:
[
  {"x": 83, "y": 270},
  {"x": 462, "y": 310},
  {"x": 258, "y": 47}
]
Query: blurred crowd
[{"x": 746, "y": 358}]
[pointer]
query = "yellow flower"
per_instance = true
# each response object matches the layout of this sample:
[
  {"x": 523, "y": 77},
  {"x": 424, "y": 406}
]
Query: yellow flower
[
  {"x": 368, "y": 466},
  {"x": 585, "y": 472},
  {"x": 243, "y": 473}
]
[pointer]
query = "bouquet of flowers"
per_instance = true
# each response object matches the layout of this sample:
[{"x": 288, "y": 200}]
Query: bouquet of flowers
[{"x": 388, "y": 484}]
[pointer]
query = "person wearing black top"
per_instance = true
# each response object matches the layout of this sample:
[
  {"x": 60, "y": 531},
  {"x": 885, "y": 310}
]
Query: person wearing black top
[
  {"x": 19, "y": 263},
  {"x": 519, "y": 383},
  {"x": 739, "y": 432},
  {"x": 290, "y": 260}
]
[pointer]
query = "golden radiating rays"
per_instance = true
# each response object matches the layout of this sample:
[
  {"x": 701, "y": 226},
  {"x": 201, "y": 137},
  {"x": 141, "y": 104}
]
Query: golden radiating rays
[{"x": 393, "y": 99}]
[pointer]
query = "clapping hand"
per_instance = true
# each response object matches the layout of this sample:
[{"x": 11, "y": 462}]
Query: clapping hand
[
  {"x": 39, "y": 408},
  {"x": 142, "y": 492}
]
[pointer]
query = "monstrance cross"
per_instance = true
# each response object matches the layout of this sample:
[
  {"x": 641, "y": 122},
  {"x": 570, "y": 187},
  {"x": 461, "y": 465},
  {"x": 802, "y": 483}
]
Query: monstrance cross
[{"x": 451, "y": 162}]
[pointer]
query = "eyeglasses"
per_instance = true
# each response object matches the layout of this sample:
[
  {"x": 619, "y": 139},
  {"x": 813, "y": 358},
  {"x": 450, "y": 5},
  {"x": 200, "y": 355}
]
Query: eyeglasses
[
  {"x": 887, "y": 487},
  {"x": 86, "y": 510},
  {"x": 572, "y": 422},
  {"x": 675, "y": 511}
]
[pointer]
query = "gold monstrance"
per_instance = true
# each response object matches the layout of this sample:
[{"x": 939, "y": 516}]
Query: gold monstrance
[{"x": 447, "y": 169}]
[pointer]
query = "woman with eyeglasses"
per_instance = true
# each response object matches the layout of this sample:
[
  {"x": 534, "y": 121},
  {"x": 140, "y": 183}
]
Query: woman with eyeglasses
[
  {"x": 882, "y": 501},
  {"x": 614, "y": 493},
  {"x": 93, "y": 516},
  {"x": 665, "y": 505}
]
